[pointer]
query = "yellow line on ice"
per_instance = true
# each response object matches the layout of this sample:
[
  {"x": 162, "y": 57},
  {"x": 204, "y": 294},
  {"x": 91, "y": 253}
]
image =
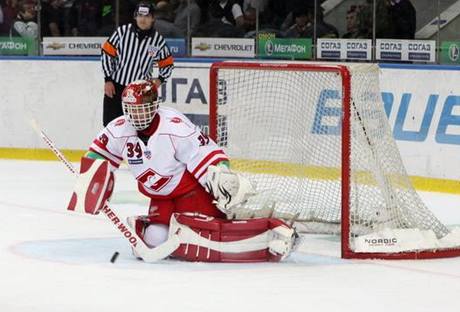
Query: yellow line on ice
[
  {"x": 257, "y": 166},
  {"x": 39, "y": 154},
  {"x": 328, "y": 173}
]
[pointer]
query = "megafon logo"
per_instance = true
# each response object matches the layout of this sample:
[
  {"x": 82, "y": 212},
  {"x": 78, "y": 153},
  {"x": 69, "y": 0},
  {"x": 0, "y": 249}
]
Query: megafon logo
[
  {"x": 203, "y": 46},
  {"x": 454, "y": 52},
  {"x": 269, "y": 47}
]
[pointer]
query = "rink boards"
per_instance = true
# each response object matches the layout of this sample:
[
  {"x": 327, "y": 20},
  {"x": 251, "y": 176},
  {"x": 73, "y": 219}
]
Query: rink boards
[{"x": 422, "y": 103}]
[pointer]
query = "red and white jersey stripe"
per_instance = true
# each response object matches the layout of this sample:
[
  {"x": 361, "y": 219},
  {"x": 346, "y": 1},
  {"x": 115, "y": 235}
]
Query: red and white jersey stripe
[{"x": 175, "y": 158}]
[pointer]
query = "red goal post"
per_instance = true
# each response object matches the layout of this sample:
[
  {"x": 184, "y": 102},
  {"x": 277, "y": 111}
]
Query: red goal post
[{"x": 316, "y": 138}]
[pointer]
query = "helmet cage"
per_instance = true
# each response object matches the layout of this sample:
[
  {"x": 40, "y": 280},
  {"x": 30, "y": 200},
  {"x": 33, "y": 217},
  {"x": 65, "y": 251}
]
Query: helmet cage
[
  {"x": 140, "y": 104},
  {"x": 140, "y": 116}
]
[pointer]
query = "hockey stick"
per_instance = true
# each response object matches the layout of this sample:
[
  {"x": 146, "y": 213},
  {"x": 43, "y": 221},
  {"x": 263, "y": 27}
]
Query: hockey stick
[
  {"x": 146, "y": 253},
  {"x": 50, "y": 144}
]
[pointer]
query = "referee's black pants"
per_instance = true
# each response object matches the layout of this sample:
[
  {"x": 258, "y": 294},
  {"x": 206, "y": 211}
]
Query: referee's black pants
[{"x": 112, "y": 105}]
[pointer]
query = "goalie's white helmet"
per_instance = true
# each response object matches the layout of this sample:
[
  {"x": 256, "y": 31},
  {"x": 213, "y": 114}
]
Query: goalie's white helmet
[{"x": 140, "y": 103}]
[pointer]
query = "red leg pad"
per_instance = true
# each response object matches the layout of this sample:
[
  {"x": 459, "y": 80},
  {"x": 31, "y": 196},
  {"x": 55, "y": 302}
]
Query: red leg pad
[{"x": 221, "y": 230}]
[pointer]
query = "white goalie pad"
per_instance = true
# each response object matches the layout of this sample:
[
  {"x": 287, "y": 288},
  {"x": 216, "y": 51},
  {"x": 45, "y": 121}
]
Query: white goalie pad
[
  {"x": 229, "y": 189},
  {"x": 93, "y": 188}
]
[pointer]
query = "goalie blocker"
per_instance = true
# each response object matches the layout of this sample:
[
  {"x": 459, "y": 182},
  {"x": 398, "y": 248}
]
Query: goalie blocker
[
  {"x": 207, "y": 239},
  {"x": 93, "y": 188}
]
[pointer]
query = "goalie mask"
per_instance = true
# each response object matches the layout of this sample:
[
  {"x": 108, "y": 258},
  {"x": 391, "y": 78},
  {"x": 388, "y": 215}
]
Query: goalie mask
[{"x": 140, "y": 103}]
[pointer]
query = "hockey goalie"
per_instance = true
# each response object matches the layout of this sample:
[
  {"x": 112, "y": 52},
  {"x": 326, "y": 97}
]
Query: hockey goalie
[{"x": 192, "y": 190}]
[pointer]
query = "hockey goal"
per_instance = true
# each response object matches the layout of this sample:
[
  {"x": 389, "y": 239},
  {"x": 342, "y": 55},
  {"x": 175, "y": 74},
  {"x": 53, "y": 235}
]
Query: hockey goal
[{"x": 316, "y": 141}]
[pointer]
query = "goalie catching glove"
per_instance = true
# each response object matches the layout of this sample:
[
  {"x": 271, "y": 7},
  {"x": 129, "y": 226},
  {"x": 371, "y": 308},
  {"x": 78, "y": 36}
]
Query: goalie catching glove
[{"x": 229, "y": 189}]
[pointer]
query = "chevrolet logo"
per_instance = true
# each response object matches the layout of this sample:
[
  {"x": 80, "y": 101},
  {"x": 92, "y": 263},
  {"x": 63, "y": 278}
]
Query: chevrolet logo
[
  {"x": 203, "y": 46},
  {"x": 56, "y": 46}
]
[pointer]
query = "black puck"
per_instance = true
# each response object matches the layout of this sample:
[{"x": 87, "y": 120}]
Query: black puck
[{"x": 114, "y": 257}]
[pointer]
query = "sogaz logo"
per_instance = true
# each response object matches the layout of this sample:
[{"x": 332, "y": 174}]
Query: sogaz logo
[
  {"x": 269, "y": 47},
  {"x": 454, "y": 52}
]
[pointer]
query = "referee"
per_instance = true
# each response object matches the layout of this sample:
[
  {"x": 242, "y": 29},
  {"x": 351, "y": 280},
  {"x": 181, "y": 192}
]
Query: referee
[{"x": 129, "y": 55}]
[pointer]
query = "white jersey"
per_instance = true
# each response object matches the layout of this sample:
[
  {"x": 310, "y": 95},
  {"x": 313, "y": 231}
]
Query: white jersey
[{"x": 174, "y": 160}]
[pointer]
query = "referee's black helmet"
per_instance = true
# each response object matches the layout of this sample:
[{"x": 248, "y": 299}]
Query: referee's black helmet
[{"x": 144, "y": 8}]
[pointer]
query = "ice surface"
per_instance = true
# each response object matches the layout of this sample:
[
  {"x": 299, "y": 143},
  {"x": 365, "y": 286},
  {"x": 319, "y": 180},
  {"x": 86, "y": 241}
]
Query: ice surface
[{"x": 52, "y": 260}]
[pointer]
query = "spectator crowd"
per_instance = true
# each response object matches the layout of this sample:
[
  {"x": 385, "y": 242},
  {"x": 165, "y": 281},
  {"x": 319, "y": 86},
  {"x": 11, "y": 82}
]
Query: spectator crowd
[{"x": 207, "y": 18}]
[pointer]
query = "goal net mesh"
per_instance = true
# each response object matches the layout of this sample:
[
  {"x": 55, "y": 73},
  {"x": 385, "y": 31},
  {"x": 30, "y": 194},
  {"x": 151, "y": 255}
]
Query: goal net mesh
[{"x": 283, "y": 130}]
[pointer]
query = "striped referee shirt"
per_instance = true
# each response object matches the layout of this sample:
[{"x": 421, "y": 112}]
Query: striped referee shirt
[{"x": 127, "y": 58}]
